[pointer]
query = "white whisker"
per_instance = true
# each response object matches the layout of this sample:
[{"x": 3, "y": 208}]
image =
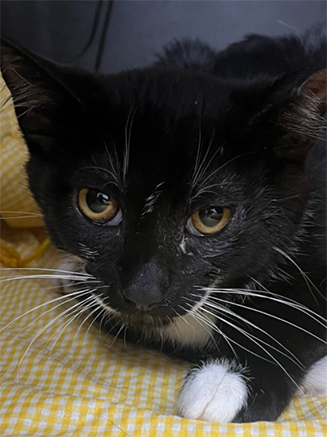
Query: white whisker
[
  {"x": 71, "y": 272},
  {"x": 40, "y": 332},
  {"x": 277, "y": 318},
  {"x": 74, "y": 294},
  {"x": 92, "y": 304},
  {"x": 235, "y": 315},
  {"x": 208, "y": 322},
  {"x": 254, "y": 339},
  {"x": 128, "y": 132},
  {"x": 64, "y": 277},
  {"x": 76, "y": 313},
  {"x": 272, "y": 296},
  {"x": 306, "y": 278}
]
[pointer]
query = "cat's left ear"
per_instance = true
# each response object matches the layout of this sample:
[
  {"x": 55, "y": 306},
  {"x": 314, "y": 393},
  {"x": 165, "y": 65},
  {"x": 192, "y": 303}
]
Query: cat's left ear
[
  {"x": 303, "y": 118},
  {"x": 47, "y": 108}
]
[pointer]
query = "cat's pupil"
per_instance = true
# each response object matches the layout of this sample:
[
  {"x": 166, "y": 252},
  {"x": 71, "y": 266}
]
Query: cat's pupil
[
  {"x": 210, "y": 217},
  {"x": 97, "y": 201}
]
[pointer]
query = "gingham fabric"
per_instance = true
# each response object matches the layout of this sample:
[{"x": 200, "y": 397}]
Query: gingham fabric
[{"x": 66, "y": 379}]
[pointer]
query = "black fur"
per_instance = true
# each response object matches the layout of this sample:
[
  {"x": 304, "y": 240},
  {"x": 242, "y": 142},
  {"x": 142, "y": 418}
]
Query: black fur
[{"x": 243, "y": 111}]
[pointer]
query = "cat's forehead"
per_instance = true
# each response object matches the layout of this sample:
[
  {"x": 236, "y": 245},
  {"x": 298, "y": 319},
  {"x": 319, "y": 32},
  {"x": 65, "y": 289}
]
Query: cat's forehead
[
  {"x": 148, "y": 157},
  {"x": 157, "y": 123},
  {"x": 159, "y": 136},
  {"x": 149, "y": 173},
  {"x": 180, "y": 92}
]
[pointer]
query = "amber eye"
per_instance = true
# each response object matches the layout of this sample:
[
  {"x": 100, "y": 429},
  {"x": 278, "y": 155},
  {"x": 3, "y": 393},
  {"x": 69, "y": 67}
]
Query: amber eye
[
  {"x": 208, "y": 221},
  {"x": 98, "y": 206}
]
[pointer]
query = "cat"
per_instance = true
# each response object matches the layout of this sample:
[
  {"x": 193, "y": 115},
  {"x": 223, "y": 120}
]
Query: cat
[{"x": 191, "y": 194}]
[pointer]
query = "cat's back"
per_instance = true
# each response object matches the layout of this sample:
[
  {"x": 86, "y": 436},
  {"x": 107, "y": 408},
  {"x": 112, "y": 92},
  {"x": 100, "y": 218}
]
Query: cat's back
[
  {"x": 255, "y": 56},
  {"x": 263, "y": 55}
]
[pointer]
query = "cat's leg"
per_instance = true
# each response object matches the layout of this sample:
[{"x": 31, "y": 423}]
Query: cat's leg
[
  {"x": 214, "y": 391},
  {"x": 260, "y": 384},
  {"x": 222, "y": 391}
]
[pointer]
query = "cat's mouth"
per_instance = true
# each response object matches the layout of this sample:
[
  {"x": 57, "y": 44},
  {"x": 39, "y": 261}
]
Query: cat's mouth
[
  {"x": 139, "y": 319},
  {"x": 142, "y": 320}
]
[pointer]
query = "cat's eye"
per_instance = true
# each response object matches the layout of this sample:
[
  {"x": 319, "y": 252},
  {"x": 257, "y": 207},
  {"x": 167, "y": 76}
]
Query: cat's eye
[
  {"x": 99, "y": 207},
  {"x": 208, "y": 221}
]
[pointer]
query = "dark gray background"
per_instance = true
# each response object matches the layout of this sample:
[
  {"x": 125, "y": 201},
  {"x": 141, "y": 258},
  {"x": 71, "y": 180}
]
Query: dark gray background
[{"x": 133, "y": 31}]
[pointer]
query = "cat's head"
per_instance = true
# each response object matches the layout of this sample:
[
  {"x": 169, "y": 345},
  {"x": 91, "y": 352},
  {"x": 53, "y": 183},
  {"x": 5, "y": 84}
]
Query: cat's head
[{"x": 166, "y": 182}]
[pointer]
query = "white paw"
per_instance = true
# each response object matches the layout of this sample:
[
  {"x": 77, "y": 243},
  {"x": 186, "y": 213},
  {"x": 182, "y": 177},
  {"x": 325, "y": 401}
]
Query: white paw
[
  {"x": 214, "y": 393},
  {"x": 315, "y": 382}
]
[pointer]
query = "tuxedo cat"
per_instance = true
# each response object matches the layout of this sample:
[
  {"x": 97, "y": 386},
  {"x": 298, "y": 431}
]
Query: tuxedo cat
[{"x": 191, "y": 194}]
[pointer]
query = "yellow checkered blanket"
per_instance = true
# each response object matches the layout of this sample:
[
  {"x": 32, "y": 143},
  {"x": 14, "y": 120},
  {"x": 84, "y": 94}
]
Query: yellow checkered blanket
[{"x": 62, "y": 378}]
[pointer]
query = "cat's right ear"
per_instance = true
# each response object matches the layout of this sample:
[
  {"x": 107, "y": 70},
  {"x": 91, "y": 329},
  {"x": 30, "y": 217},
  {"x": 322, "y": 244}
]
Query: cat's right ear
[
  {"x": 303, "y": 119},
  {"x": 315, "y": 89},
  {"x": 42, "y": 96}
]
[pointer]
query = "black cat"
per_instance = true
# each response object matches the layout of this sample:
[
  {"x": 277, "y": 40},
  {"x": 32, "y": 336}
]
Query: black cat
[{"x": 192, "y": 193}]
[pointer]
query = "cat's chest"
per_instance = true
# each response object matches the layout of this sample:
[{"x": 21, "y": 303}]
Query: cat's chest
[{"x": 190, "y": 330}]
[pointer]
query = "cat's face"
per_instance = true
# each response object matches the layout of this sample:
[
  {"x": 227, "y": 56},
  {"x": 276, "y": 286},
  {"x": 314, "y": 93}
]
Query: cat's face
[{"x": 162, "y": 183}]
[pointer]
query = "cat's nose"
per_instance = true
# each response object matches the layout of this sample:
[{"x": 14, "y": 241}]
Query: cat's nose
[
  {"x": 142, "y": 298},
  {"x": 144, "y": 286}
]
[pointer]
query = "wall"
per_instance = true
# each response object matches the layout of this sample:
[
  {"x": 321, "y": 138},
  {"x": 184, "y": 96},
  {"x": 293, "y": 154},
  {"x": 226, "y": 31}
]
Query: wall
[{"x": 136, "y": 30}]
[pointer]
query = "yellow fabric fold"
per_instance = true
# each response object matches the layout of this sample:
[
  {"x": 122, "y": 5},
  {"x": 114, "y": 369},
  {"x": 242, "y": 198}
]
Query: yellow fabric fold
[
  {"x": 59, "y": 376},
  {"x": 17, "y": 205}
]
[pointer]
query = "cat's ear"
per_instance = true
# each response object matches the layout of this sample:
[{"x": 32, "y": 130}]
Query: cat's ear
[
  {"x": 316, "y": 88},
  {"x": 303, "y": 118},
  {"x": 41, "y": 95}
]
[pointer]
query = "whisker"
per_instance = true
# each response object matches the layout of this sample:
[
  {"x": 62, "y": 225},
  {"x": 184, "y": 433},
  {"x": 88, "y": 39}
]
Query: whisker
[
  {"x": 67, "y": 277},
  {"x": 208, "y": 322},
  {"x": 102, "y": 311},
  {"x": 275, "y": 317},
  {"x": 128, "y": 132},
  {"x": 197, "y": 159},
  {"x": 102, "y": 169},
  {"x": 254, "y": 339},
  {"x": 229, "y": 311},
  {"x": 40, "y": 332},
  {"x": 203, "y": 183},
  {"x": 76, "y": 313},
  {"x": 34, "y": 214},
  {"x": 192, "y": 313},
  {"x": 47, "y": 270},
  {"x": 200, "y": 166},
  {"x": 304, "y": 275},
  {"x": 272, "y": 296},
  {"x": 76, "y": 293},
  {"x": 225, "y": 336},
  {"x": 10, "y": 217},
  {"x": 114, "y": 168},
  {"x": 123, "y": 325},
  {"x": 92, "y": 304}
]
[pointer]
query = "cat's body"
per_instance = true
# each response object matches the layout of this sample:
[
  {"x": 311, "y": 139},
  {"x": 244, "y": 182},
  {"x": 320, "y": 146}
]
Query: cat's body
[{"x": 192, "y": 192}]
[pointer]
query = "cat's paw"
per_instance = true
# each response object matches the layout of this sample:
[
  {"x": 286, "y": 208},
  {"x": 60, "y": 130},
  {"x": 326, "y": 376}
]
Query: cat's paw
[
  {"x": 315, "y": 381},
  {"x": 214, "y": 392}
]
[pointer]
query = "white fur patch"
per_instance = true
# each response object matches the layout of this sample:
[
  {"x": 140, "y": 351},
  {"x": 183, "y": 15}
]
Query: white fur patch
[
  {"x": 188, "y": 330},
  {"x": 315, "y": 382},
  {"x": 67, "y": 271},
  {"x": 215, "y": 393},
  {"x": 151, "y": 200},
  {"x": 194, "y": 328}
]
